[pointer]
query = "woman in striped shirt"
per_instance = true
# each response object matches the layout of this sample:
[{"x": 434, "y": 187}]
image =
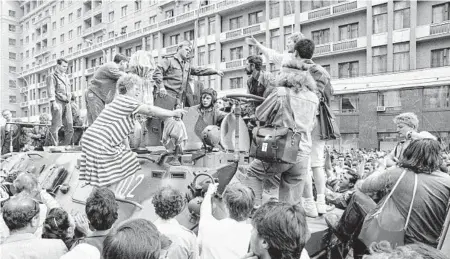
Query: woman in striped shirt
[{"x": 106, "y": 156}]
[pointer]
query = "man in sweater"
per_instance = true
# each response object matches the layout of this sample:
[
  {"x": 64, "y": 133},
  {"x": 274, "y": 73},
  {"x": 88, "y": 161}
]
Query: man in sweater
[{"x": 103, "y": 86}]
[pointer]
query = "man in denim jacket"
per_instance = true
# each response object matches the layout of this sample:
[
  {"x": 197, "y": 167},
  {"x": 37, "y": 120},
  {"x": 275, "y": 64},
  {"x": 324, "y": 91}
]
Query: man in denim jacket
[{"x": 300, "y": 86}]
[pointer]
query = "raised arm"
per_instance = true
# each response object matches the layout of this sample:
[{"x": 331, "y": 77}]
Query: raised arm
[
  {"x": 150, "y": 110},
  {"x": 270, "y": 54}
]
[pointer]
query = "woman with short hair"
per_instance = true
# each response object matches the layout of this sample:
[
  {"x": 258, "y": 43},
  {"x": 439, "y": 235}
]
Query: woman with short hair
[{"x": 106, "y": 156}]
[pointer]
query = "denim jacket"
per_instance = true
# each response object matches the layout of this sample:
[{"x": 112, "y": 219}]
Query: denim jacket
[{"x": 304, "y": 104}]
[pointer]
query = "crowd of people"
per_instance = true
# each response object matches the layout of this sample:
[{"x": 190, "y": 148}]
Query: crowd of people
[{"x": 413, "y": 177}]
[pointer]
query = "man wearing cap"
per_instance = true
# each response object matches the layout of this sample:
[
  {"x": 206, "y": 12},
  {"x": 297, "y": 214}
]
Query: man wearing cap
[
  {"x": 174, "y": 73},
  {"x": 102, "y": 89}
]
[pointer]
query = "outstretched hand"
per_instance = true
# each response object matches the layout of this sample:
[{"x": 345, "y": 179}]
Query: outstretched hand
[
  {"x": 251, "y": 41},
  {"x": 179, "y": 112},
  {"x": 212, "y": 188}
]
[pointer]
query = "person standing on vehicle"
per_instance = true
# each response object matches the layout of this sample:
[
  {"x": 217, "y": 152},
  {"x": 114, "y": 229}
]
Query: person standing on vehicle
[
  {"x": 102, "y": 89},
  {"x": 173, "y": 74},
  {"x": 59, "y": 96}
]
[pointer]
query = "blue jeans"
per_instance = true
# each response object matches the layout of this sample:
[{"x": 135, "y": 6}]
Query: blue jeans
[
  {"x": 61, "y": 116},
  {"x": 291, "y": 181}
]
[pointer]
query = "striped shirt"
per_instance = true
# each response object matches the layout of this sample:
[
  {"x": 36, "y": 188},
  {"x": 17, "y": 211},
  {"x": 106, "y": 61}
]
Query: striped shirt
[{"x": 105, "y": 159}]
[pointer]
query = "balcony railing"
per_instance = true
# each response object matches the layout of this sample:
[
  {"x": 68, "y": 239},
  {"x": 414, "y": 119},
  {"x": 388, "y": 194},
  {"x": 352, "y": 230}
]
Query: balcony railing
[
  {"x": 323, "y": 48},
  {"x": 345, "y": 7},
  {"x": 440, "y": 28},
  {"x": 344, "y": 45},
  {"x": 166, "y": 22},
  {"x": 319, "y": 13},
  {"x": 243, "y": 31},
  {"x": 41, "y": 85},
  {"x": 87, "y": 14},
  {"x": 134, "y": 33},
  {"x": 186, "y": 16},
  {"x": 171, "y": 49},
  {"x": 234, "y": 63},
  {"x": 23, "y": 104},
  {"x": 223, "y": 4},
  {"x": 150, "y": 27},
  {"x": 43, "y": 101},
  {"x": 23, "y": 90}
]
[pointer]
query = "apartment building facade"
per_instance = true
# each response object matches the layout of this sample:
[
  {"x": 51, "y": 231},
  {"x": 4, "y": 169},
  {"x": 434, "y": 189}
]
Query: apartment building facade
[{"x": 385, "y": 56}]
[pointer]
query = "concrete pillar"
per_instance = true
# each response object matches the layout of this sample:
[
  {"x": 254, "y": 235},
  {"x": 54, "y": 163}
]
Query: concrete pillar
[
  {"x": 281, "y": 41},
  {"x": 218, "y": 52},
  {"x": 412, "y": 36},
  {"x": 267, "y": 43},
  {"x": 390, "y": 26},
  {"x": 297, "y": 11},
  {"x": 369, "y": 30},
  {"x": 160, "y": 45}
]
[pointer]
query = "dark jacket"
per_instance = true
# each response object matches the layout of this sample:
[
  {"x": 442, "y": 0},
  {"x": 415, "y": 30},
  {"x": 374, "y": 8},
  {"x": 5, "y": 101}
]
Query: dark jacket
[
  {"x": 174, "y": 75},
  {"x": 58, "y": 87},
  {"x": 103, "y": 84}
]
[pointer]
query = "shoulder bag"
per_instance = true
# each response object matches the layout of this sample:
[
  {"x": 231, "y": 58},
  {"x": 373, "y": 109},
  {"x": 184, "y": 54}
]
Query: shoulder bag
[
  {"x": 386, "y": 223},
  {"x": 327, "y": 121},
  {"x": 276, "y": 144}
]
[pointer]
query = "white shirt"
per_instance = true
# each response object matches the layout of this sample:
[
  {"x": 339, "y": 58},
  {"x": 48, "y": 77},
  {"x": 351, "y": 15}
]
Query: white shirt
[
  {"x": 184, "y": 241},
  {"x": 223, "y": 239}
]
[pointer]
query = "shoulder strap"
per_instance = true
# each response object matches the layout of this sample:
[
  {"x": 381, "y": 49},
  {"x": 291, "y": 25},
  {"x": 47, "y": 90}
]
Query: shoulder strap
[
  {"x": 289, "y": 108},
  {"x": 392, "y": 191},
  {"x": 412, "y": 201}
]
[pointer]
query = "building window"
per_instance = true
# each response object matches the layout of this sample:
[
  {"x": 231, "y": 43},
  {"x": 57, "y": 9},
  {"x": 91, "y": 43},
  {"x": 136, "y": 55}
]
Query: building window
[
  {"x": 236, "y": 82},
  {"x": 12, "y": 28},
  {"x": 12, "y": 13},
  {"x": 401, "y": 14},
  {"x": 70, "y": 34},
  {"x": 53, "y": 57},
  {"x": 12, "y": 69},
  {"x": 321, "y": 36},
  {"x": 440, "y": 57},
  {"x": 61, "y": 22},
  {"x": 123, "y": 30},
  {"x": 390, "y": 99},
  {"x": 212, "y": 82},
  {"x": 139, "y": 47},
  {"x": 70, "y": 50},
  {"x": 189, "y": 35},
  {"x": 12, "y": 42},
  {"x": 12, "y": 84},
  {"x": 287, "y": 33},
  {"x": 27, "y": 39},
  {"x": 201, "y": 28},
  {"x": 348, "y": 69},
  {"x": 79, "y": 13},
  {"x": 137, "y": 25},
  {"x": 79, "y": 30},
  {"x": 401, "y": 56},
  {"x": 152, "y": 19},
  {"x": 235, "y": 23},
  {"x": 128, "y": 52},
  {"x": 380, "y": 18},
  {"x": 169, "y": 14},
  {"x": 174, "y": 39},
  {"x": 253, "y": 50},
  {"x": 54, "y": 26},
  {"x": 70, "y": 17},
  {"x": 201, "y": 55},
  {"x": 93, "y": 62},
  {"x": 379, "y": 59},
  {"x": 61, "y": 38},
  {"x": 12, "y": 55},
  {"x": 236, "y": 53},
  {"x": 289, "y": 7},
  {"x": 111, "y": 34},
  {"x": 99, "y": 38},
  {"x": 437, "y": 97},
  {"x": 211, "y": 25},
  {"x": 256, "y": 17},
  {"x": 111, "y": 16},
  {"x": 441, "y": 13},
  {"x": 79, "y": 48},
  {"x": 137, "y": 5},
  {"x": 211, "y": 53},
  {"x": 274, "y": 9},
  {"x": 61, "y": 54},
  {"x": 275, "y": 39},
  {"x": 61, "y": 5},
  {"x": 12, "y": 99},
  {"x": 319, "y": 3},
  {"x": 349, "y": 103},
  {"x": 348, "y": 31},
  {"x": 187, "y": 7},
  {"x": 27, "y": 54},
  {"x": 124, "y": 10}
]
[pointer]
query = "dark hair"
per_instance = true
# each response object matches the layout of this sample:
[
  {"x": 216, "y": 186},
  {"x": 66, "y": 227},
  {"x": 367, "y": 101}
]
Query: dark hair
[
  {"x": 239, "y": 200},
  {"x": 383, "y": 250},
  {"x": 422, "y": 156},
  {"x": 305, "y": 48},
  {"x": 59, "y": 61},
  {"x": 19, "y": 211},
  {"x": 135, "y": 239},
  {"x": 256, "y": 60},
  {"x": 72, "y": 98},
  {"x": 353, "y": 173},
  {"x": 56, "y": 226},
  {"x": 168, "y": 202},
  {"x": 283, "y": 226},
  {"x": 101, "y": 209},
  {"x": 119, "y": 57}
]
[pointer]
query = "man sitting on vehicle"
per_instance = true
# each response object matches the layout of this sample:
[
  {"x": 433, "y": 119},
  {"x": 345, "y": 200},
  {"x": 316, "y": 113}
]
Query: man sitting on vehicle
[{"x": 339, "y": 191}]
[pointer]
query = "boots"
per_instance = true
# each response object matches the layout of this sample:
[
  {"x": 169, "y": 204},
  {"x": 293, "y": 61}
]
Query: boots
[{"x": 320, "y": 204}]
